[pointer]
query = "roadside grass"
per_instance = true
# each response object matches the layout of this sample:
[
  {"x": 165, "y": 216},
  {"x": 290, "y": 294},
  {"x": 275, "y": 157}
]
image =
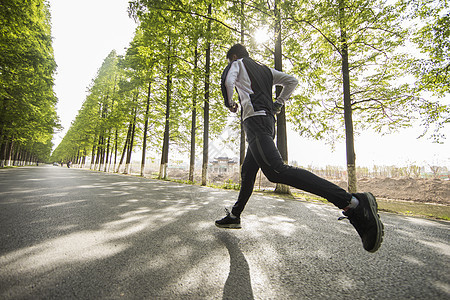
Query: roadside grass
[
  {"x": 408, "y": 208},
  {"x": 428, "y": 210}
]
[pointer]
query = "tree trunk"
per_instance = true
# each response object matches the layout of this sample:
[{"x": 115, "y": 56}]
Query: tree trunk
[
  {"x": 193, "y": 118},
  {"x": 77, "y": 161},
  {"x": 98, "y": 161},
  {"x": 3, "y": 145},
  {"x": 242, "y": 142},
  {"x": 107, "y": 151},
  {"x": 165, "y": 149},
  {"x": 104, "y": 159},
  {"x": 28, "y": 158},
  {"x": 144, "y": 142},
  {"x": 124, "y": 147},
  {"x": 281, "y": 118},
  {"x": 16, "y": 161},
  {"x": 109, "y": 155},
  {"x": 115, "y": 148},
  {"x": 93, "y": 153},
  {"x": 350, "y": 145},
  {"x": 130, "y": 144},
  {"x": 206, "y": 107},
  {"x": 10, "y": 151},
  {"x": 23, "y": 157}
]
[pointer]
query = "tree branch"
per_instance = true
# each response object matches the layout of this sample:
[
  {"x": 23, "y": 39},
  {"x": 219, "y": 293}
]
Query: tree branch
[{"x": 318, "y": 30}]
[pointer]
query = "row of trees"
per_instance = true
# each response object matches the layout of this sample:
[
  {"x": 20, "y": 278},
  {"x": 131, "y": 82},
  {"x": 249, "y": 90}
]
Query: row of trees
[
  {"x": 351, "y": 57},
  {"x": 27, "y": 102},
  {"x": 150, "y": 96}
]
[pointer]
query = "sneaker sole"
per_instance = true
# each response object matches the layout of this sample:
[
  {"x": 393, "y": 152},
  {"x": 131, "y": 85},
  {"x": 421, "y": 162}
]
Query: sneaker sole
[
  {"x": 229, "y": 226},
  {"x": 380, "y": 227}
]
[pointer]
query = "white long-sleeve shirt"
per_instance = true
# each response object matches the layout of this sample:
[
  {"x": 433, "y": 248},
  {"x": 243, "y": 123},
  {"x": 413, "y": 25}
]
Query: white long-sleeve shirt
[{"x": 254, "y": 82}]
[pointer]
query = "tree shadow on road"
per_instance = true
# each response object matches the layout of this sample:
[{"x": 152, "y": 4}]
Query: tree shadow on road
[
  {"x": 88, "y": 236},
  {"x": 239, "y": 283}
]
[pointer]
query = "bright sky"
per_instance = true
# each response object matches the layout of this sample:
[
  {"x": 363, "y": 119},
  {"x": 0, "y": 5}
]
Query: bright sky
[{"x": 86, "y": 31}]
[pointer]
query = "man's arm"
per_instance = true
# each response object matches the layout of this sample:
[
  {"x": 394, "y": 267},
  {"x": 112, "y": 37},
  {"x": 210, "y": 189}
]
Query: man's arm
[
  {"x": 288, "y": 82},
  {"x": 228, "y": 81}
]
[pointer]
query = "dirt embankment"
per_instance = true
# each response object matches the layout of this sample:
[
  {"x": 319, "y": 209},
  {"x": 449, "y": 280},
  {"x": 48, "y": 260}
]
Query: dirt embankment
[{"x": 418, "y": 190}]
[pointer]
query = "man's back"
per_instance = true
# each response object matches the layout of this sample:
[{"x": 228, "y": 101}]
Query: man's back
[
  {"x": 261, "y": 83},
  {"x": 253, "y": 82}
]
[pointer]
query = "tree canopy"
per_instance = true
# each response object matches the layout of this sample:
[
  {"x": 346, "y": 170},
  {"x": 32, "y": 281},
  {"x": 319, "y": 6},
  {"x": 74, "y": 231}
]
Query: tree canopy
[
  {"x": 164, "y": 92},
  {"x": 28, "y": 117}
]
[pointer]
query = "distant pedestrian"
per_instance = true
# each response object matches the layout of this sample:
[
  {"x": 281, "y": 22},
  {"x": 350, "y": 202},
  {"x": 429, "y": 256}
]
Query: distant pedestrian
[{"x": 253, "y": 82}]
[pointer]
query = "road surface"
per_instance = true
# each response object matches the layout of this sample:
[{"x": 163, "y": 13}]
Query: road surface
[{"x": 77, "y": 234}]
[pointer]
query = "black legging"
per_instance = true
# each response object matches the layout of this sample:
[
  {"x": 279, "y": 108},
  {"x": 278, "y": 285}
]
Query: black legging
[{"x": 262, "y": 153}]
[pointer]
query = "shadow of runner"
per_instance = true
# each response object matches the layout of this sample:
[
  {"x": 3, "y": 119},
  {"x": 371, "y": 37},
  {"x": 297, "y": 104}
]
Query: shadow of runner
[{"x": 238, "y": 284}]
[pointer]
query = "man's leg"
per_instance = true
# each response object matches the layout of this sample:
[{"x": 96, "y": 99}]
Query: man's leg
[
  {"x": 269, "y": 159},
  {"x": 248, "y": 175},
  {"x": 364, "y": 216}
]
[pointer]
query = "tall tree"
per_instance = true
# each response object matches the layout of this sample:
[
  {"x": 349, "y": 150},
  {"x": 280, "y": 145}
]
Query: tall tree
[
  {"x": 348, "y": 119},
  {"x": 206, "y": 103},
  {"x": 27, "y": 103},
  {"x": 193, "y": 115},
  {"x": 242, "y": 135},
  {"x": 144, "y": 142},
  {"x": 353, "y": 60},
  {"x": 165, "y": 148},
  {"x": 281, "y": 117}
]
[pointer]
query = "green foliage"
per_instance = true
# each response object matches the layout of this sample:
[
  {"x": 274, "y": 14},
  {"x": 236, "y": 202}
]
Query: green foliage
[
  {"x": 167, "y": 54},
  {"x": 98, "y": 115},
  {"x": 155, "y": 54},
  {"x": 27, "y": 103},
  {"x": 230, "y": 185},
  {"x": 373, "y": 34},
  {"x": 430, "y": 32}
]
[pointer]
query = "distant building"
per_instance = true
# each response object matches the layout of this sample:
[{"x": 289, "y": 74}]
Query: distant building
[{"x": 224, "y": 165}]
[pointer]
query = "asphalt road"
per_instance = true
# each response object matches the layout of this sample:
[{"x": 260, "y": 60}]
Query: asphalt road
[{"x": 77, "y": 234}]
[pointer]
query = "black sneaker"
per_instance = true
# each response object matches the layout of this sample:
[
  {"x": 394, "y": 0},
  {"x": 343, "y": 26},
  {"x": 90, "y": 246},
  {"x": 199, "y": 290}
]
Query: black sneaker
[
  {"x": 229, "y": 222},
  {"x": 366, "y": 221}
]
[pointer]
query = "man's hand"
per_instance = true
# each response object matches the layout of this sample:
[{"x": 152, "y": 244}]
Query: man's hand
[
  {"x": 277, "y": 108},
  {"x": 233, "y": 108}
]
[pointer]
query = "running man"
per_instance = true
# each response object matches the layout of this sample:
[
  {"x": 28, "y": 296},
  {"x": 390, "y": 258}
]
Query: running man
[{"x": 253, "y": 82}]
